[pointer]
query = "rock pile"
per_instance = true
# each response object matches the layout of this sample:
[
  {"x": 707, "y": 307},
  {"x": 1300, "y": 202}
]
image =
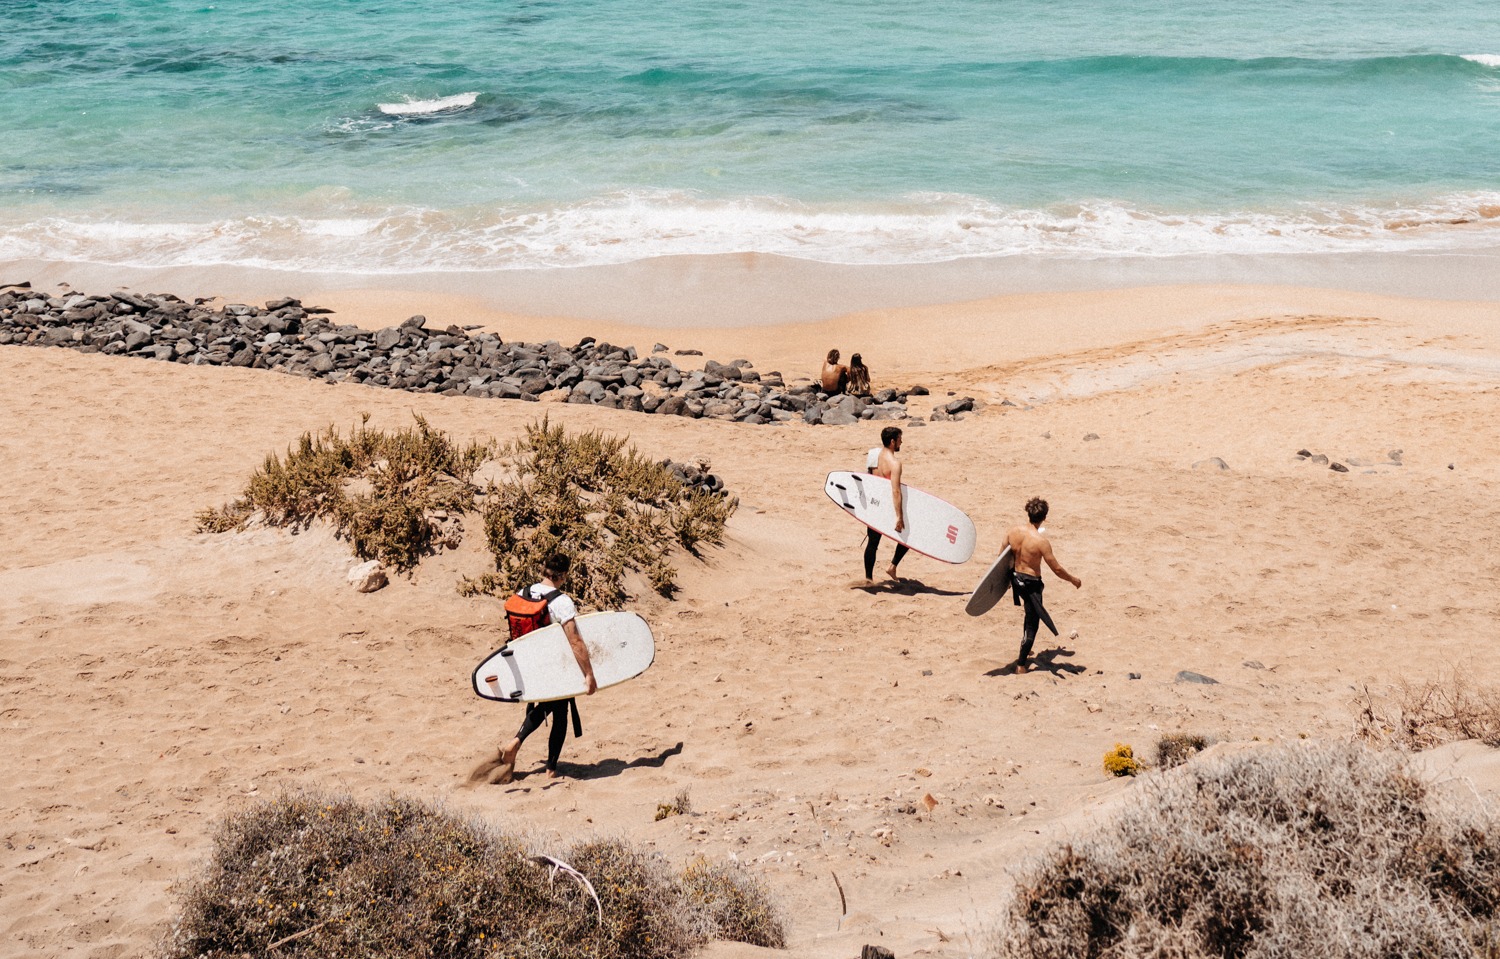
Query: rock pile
[{"x": 291, "y": 338}]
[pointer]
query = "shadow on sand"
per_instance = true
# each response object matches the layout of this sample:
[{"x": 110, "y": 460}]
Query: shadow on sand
[
  {"x": 1045, "y": 661},
  {"x": 904, "y": 587},
  {"x": 602, "y": 770}
]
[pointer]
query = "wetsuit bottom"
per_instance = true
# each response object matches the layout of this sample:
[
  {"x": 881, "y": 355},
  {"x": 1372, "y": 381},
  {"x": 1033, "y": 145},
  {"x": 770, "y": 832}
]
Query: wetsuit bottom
[
  {"x": 872, "y": 544},
  {"x": 1027, "y": 590},
  {"x": 536, "y": 714}
]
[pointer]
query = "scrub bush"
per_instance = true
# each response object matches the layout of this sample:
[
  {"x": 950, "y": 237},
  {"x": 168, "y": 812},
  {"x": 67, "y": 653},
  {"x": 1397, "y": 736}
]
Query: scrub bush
[
  {"x": 312, "y": 875},
  {"x": 1422, "y": 715},
  {"x": 398, "y": 496},
  {"x": 1306, "y": 849},
  {"x": 410, "y": 478},
  {"x": 734, "y": 904},
  {"x": 1121, "y": 761},
  {"x": 591, "y": 497},
  {"x": 1177, "y": 748}
]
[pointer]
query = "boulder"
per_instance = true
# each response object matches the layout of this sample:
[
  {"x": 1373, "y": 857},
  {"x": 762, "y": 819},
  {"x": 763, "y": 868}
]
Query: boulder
[{"x": 368, "y": 577}]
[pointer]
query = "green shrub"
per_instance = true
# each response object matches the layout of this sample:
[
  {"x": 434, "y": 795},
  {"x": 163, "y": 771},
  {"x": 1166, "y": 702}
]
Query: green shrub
[
  {"x": 410, "y": 473},
  {"x": 1299, "y": 850},
  {"x": 588, "y": 495},
  {"x": 604, "y": 504},
  {"x": 316, "y": 876}
]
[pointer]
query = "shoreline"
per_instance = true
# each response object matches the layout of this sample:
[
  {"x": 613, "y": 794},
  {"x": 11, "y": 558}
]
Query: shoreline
[{"x": 753, "y": 290}]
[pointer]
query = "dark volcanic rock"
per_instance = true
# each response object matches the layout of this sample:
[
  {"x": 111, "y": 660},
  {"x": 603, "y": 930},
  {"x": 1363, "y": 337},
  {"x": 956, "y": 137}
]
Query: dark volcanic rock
[{"x": 289, "y": 337}]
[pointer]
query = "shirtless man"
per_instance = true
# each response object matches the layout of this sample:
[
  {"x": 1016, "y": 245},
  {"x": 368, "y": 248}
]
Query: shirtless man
[
  {"x": 1030, "y": 547},
  {"x": 835, "y": 375},
  {"x": 887, "y": 465}
]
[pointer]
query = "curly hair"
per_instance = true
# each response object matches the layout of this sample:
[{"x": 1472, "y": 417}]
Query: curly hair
[{"x": 1036, "y": 510}]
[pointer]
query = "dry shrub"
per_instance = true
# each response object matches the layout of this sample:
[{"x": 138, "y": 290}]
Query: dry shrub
[
  {"x": 323, "y": 876},
  {"x": 1420, "y": 716},
  {"x": 591, "y": 497},
  {"x": 1174, "y": 749},
  {"x": 398, "y": 496},
  {"x": 409, "y": 477},
  {"x": 733, "y": 904},
  {"x": 682, "y": 805},
  {"x": 1297, "y": 850}
]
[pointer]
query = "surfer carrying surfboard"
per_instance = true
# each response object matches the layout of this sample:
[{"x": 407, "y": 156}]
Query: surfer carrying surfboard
[
  {"x": 887, "y": 465},
  {"x": 563, "y": 611},
  {"x": 1030, "y": 548}
]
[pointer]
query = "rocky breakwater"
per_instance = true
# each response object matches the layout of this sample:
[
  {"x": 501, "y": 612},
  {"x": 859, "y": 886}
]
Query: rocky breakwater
[{"x": 288, "y": 337}]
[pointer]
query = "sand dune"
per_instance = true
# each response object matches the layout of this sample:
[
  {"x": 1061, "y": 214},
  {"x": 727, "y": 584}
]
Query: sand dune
[{"x": 152, "y": 679}]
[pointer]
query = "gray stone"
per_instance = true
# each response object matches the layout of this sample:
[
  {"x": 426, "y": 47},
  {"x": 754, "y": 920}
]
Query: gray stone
[
  {"x": 1320, "y": 459},
  {"x": 416, "y": 322},
  {"x": 959, "y": 406},
  {"x": 1190, "y": 677},
  {"x": 387, "y": 338},
  {"x": 1213, "y": 462},
  {"x": 590, "y": 390},
  {"x": 321, "y": 363},
  {"x": 1395, "y": 456},
  {"x": 839, "y": 417},
  {"x": 1090, "y": 437},
  {"x": 1338, "y": 467}
]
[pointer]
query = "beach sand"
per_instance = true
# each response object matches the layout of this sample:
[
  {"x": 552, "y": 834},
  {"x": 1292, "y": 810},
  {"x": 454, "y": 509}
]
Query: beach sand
[{"x": 153, "y": 679}]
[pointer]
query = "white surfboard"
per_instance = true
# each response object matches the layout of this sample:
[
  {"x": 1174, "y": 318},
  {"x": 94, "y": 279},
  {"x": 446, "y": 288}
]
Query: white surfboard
[
  {"x": 993, "y": 586},
  {"x": 935, "y": 528},
  {"x": 540, "y": 666}
]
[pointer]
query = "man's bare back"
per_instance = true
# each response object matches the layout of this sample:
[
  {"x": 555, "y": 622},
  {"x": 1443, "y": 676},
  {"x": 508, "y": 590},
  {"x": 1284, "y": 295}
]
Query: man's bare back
[{"x": 1030, "y": 548}]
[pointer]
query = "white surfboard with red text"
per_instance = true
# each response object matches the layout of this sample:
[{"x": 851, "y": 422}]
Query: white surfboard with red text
[{"x": 934, "y": 527}]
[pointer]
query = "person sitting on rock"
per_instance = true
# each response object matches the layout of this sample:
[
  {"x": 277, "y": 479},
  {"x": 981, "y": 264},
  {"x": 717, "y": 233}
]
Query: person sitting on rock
[
  {"x": 835, "y": 375},
  {"x": 859, "y": 377}
]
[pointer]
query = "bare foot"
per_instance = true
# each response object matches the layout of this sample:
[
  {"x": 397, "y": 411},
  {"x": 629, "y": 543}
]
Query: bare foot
[
  {"x": 505, "y": 770},
  {"x": 892, "y": 574},
  {"x": 1021, "y": 668},
  {"x": 554, "y": 774}
]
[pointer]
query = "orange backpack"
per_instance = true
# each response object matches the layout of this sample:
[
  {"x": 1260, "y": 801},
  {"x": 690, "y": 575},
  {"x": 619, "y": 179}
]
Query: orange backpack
[{"x": 524, "y": 614}]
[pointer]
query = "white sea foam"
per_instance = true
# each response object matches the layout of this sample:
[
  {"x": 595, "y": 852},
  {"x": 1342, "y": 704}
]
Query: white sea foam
[
  {"x": 417, "y": 108},
  {"x": 626, "y": 227},
  {"x": 1487, "y": 59}
]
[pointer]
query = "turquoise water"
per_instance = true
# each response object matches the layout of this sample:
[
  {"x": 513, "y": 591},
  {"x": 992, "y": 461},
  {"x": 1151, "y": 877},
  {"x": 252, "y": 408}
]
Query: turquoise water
[{"x": 157, "y": 132}]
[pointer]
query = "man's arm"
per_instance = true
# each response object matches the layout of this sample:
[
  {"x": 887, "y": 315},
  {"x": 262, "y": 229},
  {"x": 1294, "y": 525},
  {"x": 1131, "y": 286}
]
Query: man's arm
[
  {"x": 1057, "y": 567},
  {"x": 580, "y": 653},
  {"x": 896, "y": 496}
]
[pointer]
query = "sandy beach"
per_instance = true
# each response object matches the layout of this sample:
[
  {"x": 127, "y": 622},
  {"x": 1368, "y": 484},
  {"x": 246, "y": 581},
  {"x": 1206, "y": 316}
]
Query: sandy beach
[{"x": 153, "y": 679}]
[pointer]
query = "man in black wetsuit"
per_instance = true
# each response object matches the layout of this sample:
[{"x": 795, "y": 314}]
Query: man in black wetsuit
[{"x": 1030, "y": 548}]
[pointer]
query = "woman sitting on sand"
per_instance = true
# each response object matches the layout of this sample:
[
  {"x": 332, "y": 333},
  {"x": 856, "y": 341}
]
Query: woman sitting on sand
[
  {"x": 835, "y": 375},
  {"x": 859, "y": 377}
]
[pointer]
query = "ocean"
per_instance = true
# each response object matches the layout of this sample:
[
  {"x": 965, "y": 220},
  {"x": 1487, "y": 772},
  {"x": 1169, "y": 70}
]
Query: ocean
[{"x": 387, "y": 138}]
